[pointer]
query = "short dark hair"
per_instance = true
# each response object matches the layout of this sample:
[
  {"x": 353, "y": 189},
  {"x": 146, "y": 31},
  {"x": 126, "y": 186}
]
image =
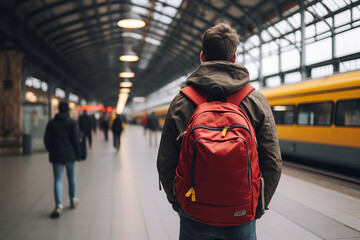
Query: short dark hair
[
  {"x": 220, "y": 42},
  {"x": 63, "y": 107}
]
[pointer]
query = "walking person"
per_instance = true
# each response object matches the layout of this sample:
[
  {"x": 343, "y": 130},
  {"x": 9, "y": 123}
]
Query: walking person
[
  {"x": 105, "y": 126},
  {"x": 85, "y": 125},
  {"x": 117, "y": 128},
  {"x": 144, "y": 120},
  {"x": 153, "y": 126},
  {"x": 213, "y": 84},
  {"x": 61, "y": 140}
]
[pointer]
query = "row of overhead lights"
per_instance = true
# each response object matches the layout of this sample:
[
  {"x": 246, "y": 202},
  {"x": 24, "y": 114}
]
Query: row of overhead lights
[{"x": 130, "y": 21}]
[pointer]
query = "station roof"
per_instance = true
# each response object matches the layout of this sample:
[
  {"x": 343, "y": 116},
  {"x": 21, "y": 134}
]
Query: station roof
[{"x": 79, "y": 41}]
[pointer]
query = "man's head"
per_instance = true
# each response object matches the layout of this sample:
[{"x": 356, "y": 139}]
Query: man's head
[
  {"x": 219, "y": 43},
  {"x": 63, "y": 107}
]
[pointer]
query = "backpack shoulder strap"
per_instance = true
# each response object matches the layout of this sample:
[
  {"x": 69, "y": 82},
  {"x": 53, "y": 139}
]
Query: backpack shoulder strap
[
  {"x": 195, "y": 94},
  {"x": 238, "y": 97},
  {"x": 198, "y": 96}
]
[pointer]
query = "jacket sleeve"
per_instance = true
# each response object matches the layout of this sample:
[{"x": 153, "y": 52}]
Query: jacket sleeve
[
  {"x": 169, "y": 150},
  {"x": 47, "y": 137},
  {"x": 270, "y": 162}
]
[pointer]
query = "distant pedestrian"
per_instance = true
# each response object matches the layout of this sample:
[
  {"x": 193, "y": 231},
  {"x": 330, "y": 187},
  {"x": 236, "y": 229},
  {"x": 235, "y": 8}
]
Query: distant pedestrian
[
  {"x": 153, "y": 126},
  {"x": 61, "y": 140},
  {"x": 117, "y": 128},
  {"x": 144, "y": 120},
  {"x": 93, "y": 123},
  {"x": 105, "y": 125},
  {"x": 85, "y": 125}
]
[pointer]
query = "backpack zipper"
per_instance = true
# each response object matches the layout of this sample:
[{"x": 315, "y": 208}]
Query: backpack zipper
[
  {"x": 216, "y": 129},
  {"x": 191, "y": 191}
]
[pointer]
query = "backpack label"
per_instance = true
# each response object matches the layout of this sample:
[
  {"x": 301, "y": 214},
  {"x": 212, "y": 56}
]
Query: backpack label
[{"x": 240, "y": 213}]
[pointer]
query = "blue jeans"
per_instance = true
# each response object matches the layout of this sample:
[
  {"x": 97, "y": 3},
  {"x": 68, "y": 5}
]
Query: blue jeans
[
  {"x": 58, "y": 169},
  {"x": 194, "y": 230}
]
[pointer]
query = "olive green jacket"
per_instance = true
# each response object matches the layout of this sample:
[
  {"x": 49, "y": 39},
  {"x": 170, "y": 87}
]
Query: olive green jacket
[{"x": 232, "y": 77}]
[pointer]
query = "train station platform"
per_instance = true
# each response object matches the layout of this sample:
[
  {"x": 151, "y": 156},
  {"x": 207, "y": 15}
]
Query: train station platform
[{"x": 120, "y": 199}]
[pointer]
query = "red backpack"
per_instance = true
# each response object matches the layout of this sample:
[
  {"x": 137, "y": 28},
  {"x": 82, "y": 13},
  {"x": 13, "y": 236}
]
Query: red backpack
[{"x": 218, "y": 175}]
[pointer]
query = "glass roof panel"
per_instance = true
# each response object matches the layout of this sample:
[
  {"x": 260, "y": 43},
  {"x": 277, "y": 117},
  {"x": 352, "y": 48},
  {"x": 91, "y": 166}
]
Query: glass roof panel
[
  {"x": 356, "y": 13},
  {"x": 162, "y": 18},
  {"x": 319, "y": 9},
  {"x": 273, "y": 31},
  {"x": 265, "y": 36},
  {"x": 141, "y": 3},
  {"x": 283, "y": 26},
  {"x": 174, "y": 3},
  {"x": 295, "y": 20},
  {"x": 139, "y": 10},
  {"x": 333, "y": 5},
  {"x": 342, "y": 18}
]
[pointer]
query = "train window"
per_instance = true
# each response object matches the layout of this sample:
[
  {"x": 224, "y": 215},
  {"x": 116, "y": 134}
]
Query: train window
[
  {"x": 283, "y": 114},
  {"x": 348, "y": 113},
  {"x": 315, "y": 114}
]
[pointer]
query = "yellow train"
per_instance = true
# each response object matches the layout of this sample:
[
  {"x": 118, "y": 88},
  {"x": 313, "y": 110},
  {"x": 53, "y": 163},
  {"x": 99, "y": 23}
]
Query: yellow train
[
  {"x": 320, "y": 119},
  {"x": 316, "y": 119}
]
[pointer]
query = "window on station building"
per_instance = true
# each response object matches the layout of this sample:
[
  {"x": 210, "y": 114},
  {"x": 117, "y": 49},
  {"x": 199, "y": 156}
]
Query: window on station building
[
  {"x": 350, "y": 65},
  {"x": 318, "y": 51},
  {"x": 290, "y": 59},
  {"x": 347, "y": 43},
  {"x": 283, "y": 114},
  {"x": 253, "y": 70},
  {"x": 270, "y": 65},
  {"x": 292, "y": 77},
  {"x": 273, "y": 81},
  {"x": 348, "y": 113},
  {"x": 322, "y": 71},
  {"x": 315, "y": 114}
]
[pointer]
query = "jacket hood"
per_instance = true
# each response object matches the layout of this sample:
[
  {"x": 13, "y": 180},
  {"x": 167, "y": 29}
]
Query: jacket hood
[
  {"x": 61, "y": 116},
  {"x": 232, "y": 77}
]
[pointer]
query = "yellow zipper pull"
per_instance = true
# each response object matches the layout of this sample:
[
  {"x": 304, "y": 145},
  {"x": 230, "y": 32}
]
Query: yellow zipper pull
[
  {"x": 192, "y": 193},
  {"x": 224, "y": 131}
]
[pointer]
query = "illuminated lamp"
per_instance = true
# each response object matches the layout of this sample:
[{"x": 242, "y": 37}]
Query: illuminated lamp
[
  {"x": 124, "y": 90},
  {"x": 131, "y": 20},
  {"x": 72, "y": 105},
  {"x": 127, "y": 73},
  {"x": 129, "y": 56},
  {"x": 54, "y": 102},
  {"x": 126, "y": 84}
]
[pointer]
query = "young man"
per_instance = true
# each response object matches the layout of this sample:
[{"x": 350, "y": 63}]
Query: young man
[
  {"x": 62, "y": 142},
  {"x": 218, "y": 67}
]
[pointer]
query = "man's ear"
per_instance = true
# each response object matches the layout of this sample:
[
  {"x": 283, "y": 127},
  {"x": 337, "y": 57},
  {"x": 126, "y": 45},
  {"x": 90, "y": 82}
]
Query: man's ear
[
  {"x": 233, "y": 58},
  {"x": 202, "y": 57}
]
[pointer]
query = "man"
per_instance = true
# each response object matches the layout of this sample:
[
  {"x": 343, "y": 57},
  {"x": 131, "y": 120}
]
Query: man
[
  {"x": 153, "y": 126},
  {"x": 62, "y": 142},
  {"x": 117, "y": 129},
  {"x": 218, "y": 67},
  {"x": 85, "y": 125}
]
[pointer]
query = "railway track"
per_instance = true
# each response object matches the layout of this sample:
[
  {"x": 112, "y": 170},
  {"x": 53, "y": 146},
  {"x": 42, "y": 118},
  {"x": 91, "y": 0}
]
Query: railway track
[{"x": 326, "y": 175}]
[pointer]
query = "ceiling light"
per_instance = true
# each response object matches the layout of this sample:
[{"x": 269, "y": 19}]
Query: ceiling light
[
  {"x": 127, "y": 73},
  {"x": 129, "y": 56},
  {"x": 124, "y": 90},
  {"x": 131, "y": 20},
  {"x": 126, "y": 84}
]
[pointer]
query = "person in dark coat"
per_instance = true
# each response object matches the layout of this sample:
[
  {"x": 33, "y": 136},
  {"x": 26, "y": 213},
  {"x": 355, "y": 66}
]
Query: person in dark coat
[
  {"x": 85, "y": 125},
  {"x": 105, "y": 125},
  {"x": 117, "y": 129},
  {"x": 153, "y": 126},
  {"x": 61, "y": 140}
]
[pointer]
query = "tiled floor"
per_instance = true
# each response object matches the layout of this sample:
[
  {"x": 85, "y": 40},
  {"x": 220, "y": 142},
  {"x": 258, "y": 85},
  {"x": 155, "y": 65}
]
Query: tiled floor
[{"x": 120, "y": 199}]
